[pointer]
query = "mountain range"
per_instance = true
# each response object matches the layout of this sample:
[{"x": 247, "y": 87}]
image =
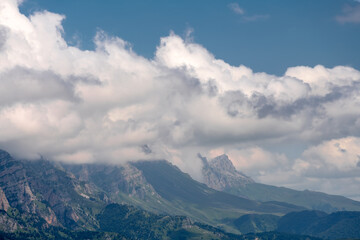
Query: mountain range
[{"x": 97, "y": 201}]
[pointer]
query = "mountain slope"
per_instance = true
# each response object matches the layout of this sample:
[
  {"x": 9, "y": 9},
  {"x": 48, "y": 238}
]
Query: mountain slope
[
  {"x": 133, "y": 223},
  {"x": 40, "y": 200},
  {"x": 344, "y": 225},
  {"x": 254, "y": 223},
  {"x": 174, "y": 185},
  {"x": 199, "y": 201},
  {"x": 229, "y": 180},
  {"x": 70, "y": 196},
  {"x": 161, "y": 187},
  {"x": 38, "y": 188}
]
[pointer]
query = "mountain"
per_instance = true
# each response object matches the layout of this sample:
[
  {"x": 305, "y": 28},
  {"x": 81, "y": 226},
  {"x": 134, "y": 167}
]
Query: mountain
[
  {"x": 220, "y": 174},
  {"x": 276, "y": 236},
  {"x": 173, "y": 185},
  {"x": 338, "y": 225},
  {"x": 133, "y": 223},
  {"x": 161, "y": 187},
  {"x": 48, "y": 200},
  {"x": 41, "y": 200},
  {"x": 119, "y": 221},
  {"x": 44, "y": 196},
  {"x": 300, "y": 221},
  {"x": 40, "y": 189},
  {"x": 255, "y": 223}
]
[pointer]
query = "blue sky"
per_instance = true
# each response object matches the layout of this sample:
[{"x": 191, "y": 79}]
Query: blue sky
[{"x": 267, "y": 36}]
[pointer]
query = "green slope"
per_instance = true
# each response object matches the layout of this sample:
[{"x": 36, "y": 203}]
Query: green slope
[
  {"x": 119, "y": 221},
  {"x": 338, "y": 225},
  {"x": 253, "y": 223},
  {"x": 199, "y": 201},
  {"x": 309, "y": 199},
  {"x": 161, "y": 187},
  {"x": 133, "y": 223}
]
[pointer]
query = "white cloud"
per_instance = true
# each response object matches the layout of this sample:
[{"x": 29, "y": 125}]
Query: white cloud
[
  {"x": 105, "y": 105},
  {"x": 256, "y": 17},
  {"x": 337, "y": 158},
  {"x": 236, "y": 8},
  {"x": 247, "y": 18},
  {"x": 256, "y": 161},
  {"x": 332, "y": 166},
  {"x": 350, "y": 14}
]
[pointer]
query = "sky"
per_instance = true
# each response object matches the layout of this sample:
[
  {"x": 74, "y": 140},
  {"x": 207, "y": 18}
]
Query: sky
[
  {"x": 267, "y": 36},
  {"x": 273, "y": 84}
]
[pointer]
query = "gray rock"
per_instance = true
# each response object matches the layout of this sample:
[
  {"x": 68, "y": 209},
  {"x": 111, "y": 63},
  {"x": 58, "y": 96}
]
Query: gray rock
[{"x": 220, "y": 174}]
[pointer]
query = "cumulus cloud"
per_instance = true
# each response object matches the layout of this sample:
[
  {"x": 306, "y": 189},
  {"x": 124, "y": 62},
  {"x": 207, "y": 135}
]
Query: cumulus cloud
[
  {"x": 258, "y": 162},
  {"x": 112, "y": 105},
  {"x": 337, "y": 158},
  {"x": 332, "y": 166}
]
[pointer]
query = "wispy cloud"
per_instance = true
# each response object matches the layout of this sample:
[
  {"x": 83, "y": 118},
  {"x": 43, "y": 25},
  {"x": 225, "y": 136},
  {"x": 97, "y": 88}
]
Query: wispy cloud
[
  {"x": 350, "y": 14},
  {"x": 236, "y": 8},
  {"x": 255, "y": 18},
  {"x": 247, "y": 18}
]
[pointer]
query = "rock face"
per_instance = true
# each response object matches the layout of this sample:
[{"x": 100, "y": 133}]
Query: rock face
[
  {"x": 115, "y": 180},
  {"x": 7, "y": 224},
  {"x": 13, "y": 182},
  {"x": 4, "y": 203},
  {"x": 220, "y": 174},
  {"x": 38, "y": 188},
  {"x": 66, "y": 196}
]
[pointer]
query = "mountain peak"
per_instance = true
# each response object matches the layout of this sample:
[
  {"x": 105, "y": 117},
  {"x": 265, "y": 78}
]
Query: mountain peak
[
  {"x": 220, "y": 174},
  {"x": 223, "y": 164},
  {"x": 4, "y": 155}
]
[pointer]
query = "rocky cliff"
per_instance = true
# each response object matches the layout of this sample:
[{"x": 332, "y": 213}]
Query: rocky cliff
[{"x": 220, "y": 174}]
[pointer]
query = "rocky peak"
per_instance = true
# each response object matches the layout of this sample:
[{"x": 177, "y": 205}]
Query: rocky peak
[
  {"x": 220, "y": 173},
  {"x": 222, "y": 163},
  {"x": 6, "y": 160},
  {"x": 4, "y": 155}
]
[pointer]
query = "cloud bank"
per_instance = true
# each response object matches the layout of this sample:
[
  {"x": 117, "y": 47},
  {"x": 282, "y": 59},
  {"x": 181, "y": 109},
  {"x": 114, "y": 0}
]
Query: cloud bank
[{"x": 112, "y": 105}]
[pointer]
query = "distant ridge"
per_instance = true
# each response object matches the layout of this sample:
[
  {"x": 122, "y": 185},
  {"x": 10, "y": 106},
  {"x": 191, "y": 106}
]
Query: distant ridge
[
  {"x": 220, "y": 174},
  {"x": 338, "y": 225}
]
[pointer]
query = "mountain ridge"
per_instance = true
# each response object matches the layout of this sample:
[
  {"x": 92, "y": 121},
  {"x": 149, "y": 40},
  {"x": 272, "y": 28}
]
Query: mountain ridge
[
  {"x": 71, "y": 195},
  {"x": 41, "y": 197},
  {"x": 232, "y": 181}
]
